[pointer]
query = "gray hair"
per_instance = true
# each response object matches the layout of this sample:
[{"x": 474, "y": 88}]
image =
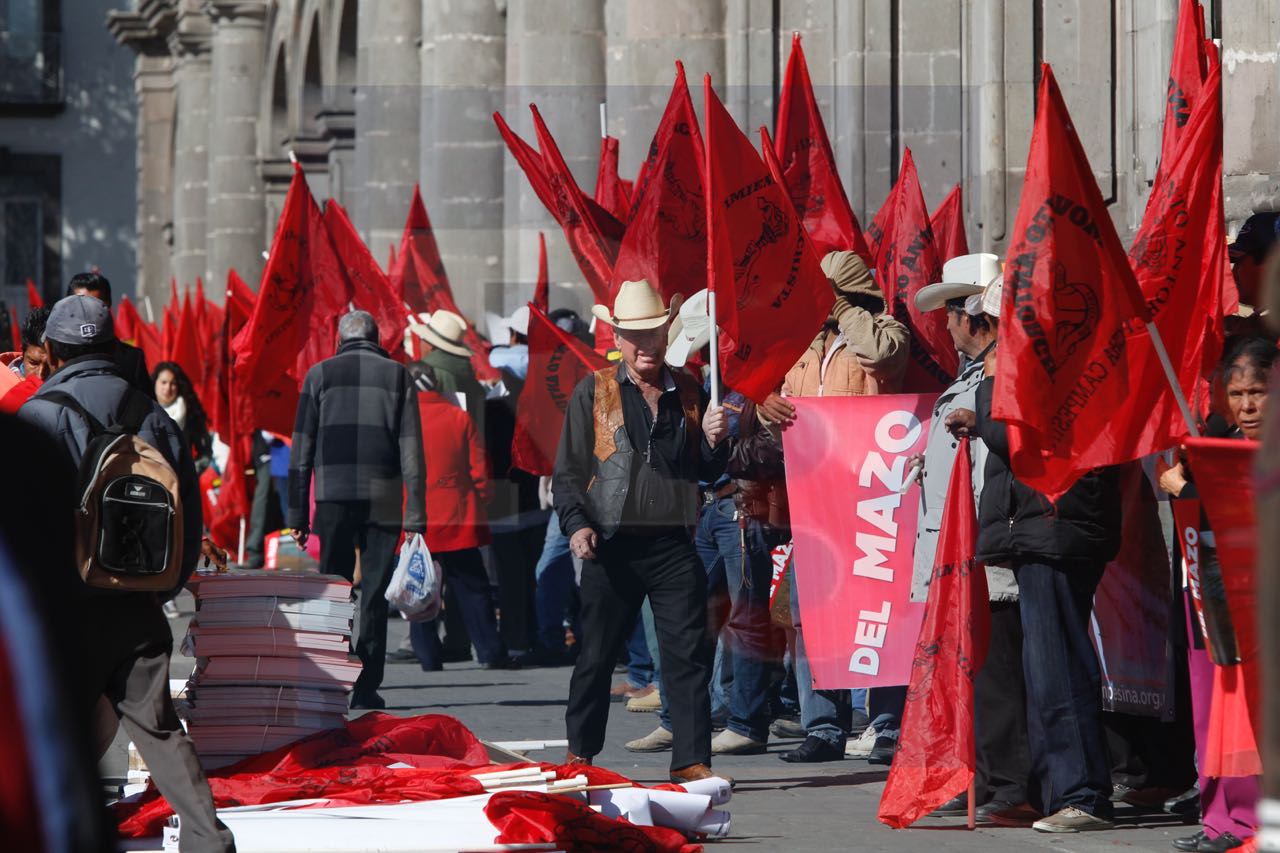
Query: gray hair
[{"x": 357, "y": 326}]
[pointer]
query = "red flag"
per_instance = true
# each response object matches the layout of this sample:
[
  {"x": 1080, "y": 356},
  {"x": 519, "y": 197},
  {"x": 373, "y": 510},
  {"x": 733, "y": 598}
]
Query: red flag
[
  {"x": 1064, "y": 368},
  {"x": 1188, "y": 69},
  {"x": 34, "y": 299},
  {"x": 612, "y": 193},
  {"x": 370, "y": 289},
  {"x": 151, "y": 343},
  {"x": 947, "y": 223},
  {"x": 186, "y": 346},
  {"x": 542, "y": 290},
  {"x": 772, "y": 296},
  {"x": 935, "y": 760},
  {"x": 804, "y": 150},
  {"x": 909, "y": 261},
  {"x": 1178, "y": 256},
  {"x": 127, "y": 321},
  {"x": 557, "y": 362},
  {"x": 881, "y": 223},
  {"x": 593, "y": 233},
  {"x": 269, "y": 350},
  {"x": 666, "y": 240},
  {"x": 15, "y": 329}
]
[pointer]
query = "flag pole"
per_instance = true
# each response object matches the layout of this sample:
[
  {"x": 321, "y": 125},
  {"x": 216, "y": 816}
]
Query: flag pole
[
  {"x": 973, "y": 823},
  {"x": 715, "y": 349},
  {"x": 240, "y": 550},
  {"x": 1163, "y": 355},
  {"x": 711, "y": 280},
  {"x": 604, "y": 120},
  {"x": 151, "y": 315}
]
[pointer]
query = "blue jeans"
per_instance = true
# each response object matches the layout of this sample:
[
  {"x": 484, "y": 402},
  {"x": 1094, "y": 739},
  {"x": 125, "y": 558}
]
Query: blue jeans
[
  {"x": 1069, "y": 758},
  {"x": 640, "y": 669},
  {"x": 825, "y": 714},
  {"x": 884, "y": 706},
  {"x": 554, "y": 579}
]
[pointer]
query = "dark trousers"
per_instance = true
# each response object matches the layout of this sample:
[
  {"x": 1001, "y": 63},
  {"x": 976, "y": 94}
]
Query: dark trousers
[
  {"x": 1064, "y": 701},
  {"x": 1000, "y": 712},
  {"x": 466, "y": 593},
  {"x": 666, "y": 569},
  {"x": 343, "y": 527},
  {"x": 127, "y": 660},
  {"x": 264, "y": 516}
]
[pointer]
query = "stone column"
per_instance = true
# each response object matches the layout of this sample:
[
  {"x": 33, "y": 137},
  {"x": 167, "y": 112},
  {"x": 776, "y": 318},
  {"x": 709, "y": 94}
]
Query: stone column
[
  {"x": 555, "y": 58},
  {"x": 190, "y": 44},
  {"x": 387, "y": 110},
  {"x": 463, "y": 80},
  {"x": 236, "y": 215},
  {"x": 1250, "y": 108}
]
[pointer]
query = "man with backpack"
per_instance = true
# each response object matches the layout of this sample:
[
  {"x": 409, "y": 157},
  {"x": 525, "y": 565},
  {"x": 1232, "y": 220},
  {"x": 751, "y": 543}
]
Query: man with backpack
[{"x": 138, "y": 537}]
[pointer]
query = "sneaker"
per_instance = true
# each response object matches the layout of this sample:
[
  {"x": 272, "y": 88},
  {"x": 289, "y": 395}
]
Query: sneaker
[
  {"x": 861, "y": 748},
  {"x": 1072, "y": 819},
  {"x": 648, "y": 702},
  {"x": 658, "y": 740},
  {"x": 788, "y": 729},
  {"x": 731, "y": 743}
]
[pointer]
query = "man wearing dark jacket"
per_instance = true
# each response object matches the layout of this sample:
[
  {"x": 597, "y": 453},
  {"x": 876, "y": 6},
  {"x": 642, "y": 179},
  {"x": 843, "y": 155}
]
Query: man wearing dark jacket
[
  {"x": 129, "y": 360},
  {"x": 127, "y": 640},
  {"x": 637, "y": 439},
  {"x": 1058, "y": 552},
  {"x": 357, "y": 430}
]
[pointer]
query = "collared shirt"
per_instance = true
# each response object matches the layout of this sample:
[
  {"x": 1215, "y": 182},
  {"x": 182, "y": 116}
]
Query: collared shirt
[{"x": 656, "y": 495}]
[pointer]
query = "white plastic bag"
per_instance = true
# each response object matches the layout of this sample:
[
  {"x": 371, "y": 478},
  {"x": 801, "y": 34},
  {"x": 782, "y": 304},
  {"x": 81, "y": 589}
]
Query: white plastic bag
[{"x": 415, "y": 587}]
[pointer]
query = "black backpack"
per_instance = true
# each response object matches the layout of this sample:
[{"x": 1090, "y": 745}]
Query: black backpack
[{"x": 129, "y": 520}]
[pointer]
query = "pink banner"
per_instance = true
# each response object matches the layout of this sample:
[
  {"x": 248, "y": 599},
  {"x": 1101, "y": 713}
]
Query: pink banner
[{"x": 854, "y": 531}]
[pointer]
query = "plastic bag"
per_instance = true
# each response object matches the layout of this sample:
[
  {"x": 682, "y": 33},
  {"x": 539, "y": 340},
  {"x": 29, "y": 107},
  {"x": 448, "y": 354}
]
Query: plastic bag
[{"x": 415, "y": 587}]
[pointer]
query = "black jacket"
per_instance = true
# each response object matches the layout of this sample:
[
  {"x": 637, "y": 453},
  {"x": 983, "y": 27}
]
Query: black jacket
[
  {"x": 131, "y": 364},
  {"x": 1018, "y": 524}
]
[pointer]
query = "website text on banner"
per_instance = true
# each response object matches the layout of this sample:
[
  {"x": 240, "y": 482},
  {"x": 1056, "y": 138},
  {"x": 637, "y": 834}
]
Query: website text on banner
[{"x": 854, "y": 531}]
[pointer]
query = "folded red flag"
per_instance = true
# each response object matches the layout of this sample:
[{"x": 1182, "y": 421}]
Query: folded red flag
[
  {"x": 947, "y": 223},
  {"x": 909, "y": 261},
  {"x": 772, "y": 296},
  {"x": 557, "y": 362},
  {"x": 530, "y": 817},
  {"x": 666, "y": 240},
  {"x": 542, "y": 290},
  {"x": 809, "y": 166},
  {"x": 1063, "y": 371},
  {"x": 935, "y": 760},
  {"x": 34, "y": 299}
]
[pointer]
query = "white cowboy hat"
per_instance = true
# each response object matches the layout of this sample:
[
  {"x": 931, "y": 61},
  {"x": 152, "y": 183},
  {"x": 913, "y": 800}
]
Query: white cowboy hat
[
  {"x": 443, "y": 330},
  {"x": 500, "y": 328},
  {"x": 690, "y": 330},
  {"x": 965, "y": 275},
  {"x": 638, "y": 306}
]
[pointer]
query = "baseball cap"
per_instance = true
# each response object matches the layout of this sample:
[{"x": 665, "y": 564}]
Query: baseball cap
[{"x": 79, "y": 320}]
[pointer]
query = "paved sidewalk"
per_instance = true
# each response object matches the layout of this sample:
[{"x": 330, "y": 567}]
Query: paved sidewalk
[{"x": 777, "y": 806}]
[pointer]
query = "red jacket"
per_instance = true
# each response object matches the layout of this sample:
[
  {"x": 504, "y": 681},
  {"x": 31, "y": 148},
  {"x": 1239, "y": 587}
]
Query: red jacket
[{"x": 458, "y": 485}]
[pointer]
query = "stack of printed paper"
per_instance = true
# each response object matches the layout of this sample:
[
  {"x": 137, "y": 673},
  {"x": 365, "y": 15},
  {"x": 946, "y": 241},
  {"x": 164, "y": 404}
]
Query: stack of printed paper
[{"x": 273, "y": 660}]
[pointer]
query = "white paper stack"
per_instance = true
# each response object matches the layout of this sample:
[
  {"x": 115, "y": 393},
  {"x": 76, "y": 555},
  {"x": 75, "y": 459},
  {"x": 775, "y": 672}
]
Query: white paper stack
[{"x": 273, "y": 661}]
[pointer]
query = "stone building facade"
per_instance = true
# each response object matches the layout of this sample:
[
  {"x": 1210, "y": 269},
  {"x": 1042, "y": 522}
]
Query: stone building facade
[{"x": 373, "y": 96}]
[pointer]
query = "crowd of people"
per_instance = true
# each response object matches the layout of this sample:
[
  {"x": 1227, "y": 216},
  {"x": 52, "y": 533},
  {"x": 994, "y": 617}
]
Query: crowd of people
[{"x": 651, "y": 550}]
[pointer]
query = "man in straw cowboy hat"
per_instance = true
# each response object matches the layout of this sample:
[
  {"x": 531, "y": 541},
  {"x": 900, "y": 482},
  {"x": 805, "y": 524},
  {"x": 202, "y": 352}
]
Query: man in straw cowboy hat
[
  {"x": 637, "y": 439},
  {"x": 445, "y": 349}
]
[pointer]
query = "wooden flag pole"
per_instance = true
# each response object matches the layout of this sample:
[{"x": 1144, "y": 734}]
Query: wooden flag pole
[
  {"x": 972, "y": 818},
  {"x": 1163, "y": 355}
]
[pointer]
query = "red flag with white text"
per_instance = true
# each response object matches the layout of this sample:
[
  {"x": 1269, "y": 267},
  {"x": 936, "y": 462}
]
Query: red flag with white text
[
  {"x": 557, "y": 362},
  {"x": 771, "y": 294},
  {"x": 947, "y": 223},
  {"x": 935, "y": 759},
  {"x": 908, "y": 262},
  {"x": 1064, "y": 368},
  {"x": 809, "y": 166},
  {"x": 666, "y": 240}
]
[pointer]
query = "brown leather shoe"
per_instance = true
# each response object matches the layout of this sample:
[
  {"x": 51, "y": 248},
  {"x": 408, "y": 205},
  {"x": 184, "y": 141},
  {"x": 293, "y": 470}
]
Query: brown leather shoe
[
  {"x": 694, "y": 772},
  {"x": 570, "y": 758}
]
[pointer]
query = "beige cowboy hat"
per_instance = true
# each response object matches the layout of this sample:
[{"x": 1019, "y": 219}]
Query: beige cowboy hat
[
  {"x": 444, "y": 330},
  {"x": 638, "y": 306},
  {"x": 962, "y": 276}
]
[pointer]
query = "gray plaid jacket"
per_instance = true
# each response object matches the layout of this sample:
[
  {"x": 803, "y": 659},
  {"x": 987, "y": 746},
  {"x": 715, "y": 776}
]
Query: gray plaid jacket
[{"x": 357, "y": 431}]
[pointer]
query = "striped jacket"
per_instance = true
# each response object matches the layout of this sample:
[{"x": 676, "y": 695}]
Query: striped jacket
[{"x": 357, "y": 430}]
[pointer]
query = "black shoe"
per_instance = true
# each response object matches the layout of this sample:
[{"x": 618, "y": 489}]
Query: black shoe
[
  {"x": 1224, "y": 842},
  {"x": 371, "y": 702},
  {"x": 1190, "y": 843},
  {"x": 813, "y": 750},
  {"x": 882, "y": 752},
  {"x": 982, "y": 814},
  {"x": 957, "y": 805},
  {"x": 401, "y": 656},
  {"x": 501, "y": 663},
  {"x": 1186, "y": 805},
  {"x": 545, "y": 657}
]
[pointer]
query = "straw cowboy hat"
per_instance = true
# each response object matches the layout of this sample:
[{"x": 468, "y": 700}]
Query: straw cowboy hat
[
  {"x": 443, "y": 330},
  {"x": 962, "y": 276},
  {"x": 637, "y": 306}
]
